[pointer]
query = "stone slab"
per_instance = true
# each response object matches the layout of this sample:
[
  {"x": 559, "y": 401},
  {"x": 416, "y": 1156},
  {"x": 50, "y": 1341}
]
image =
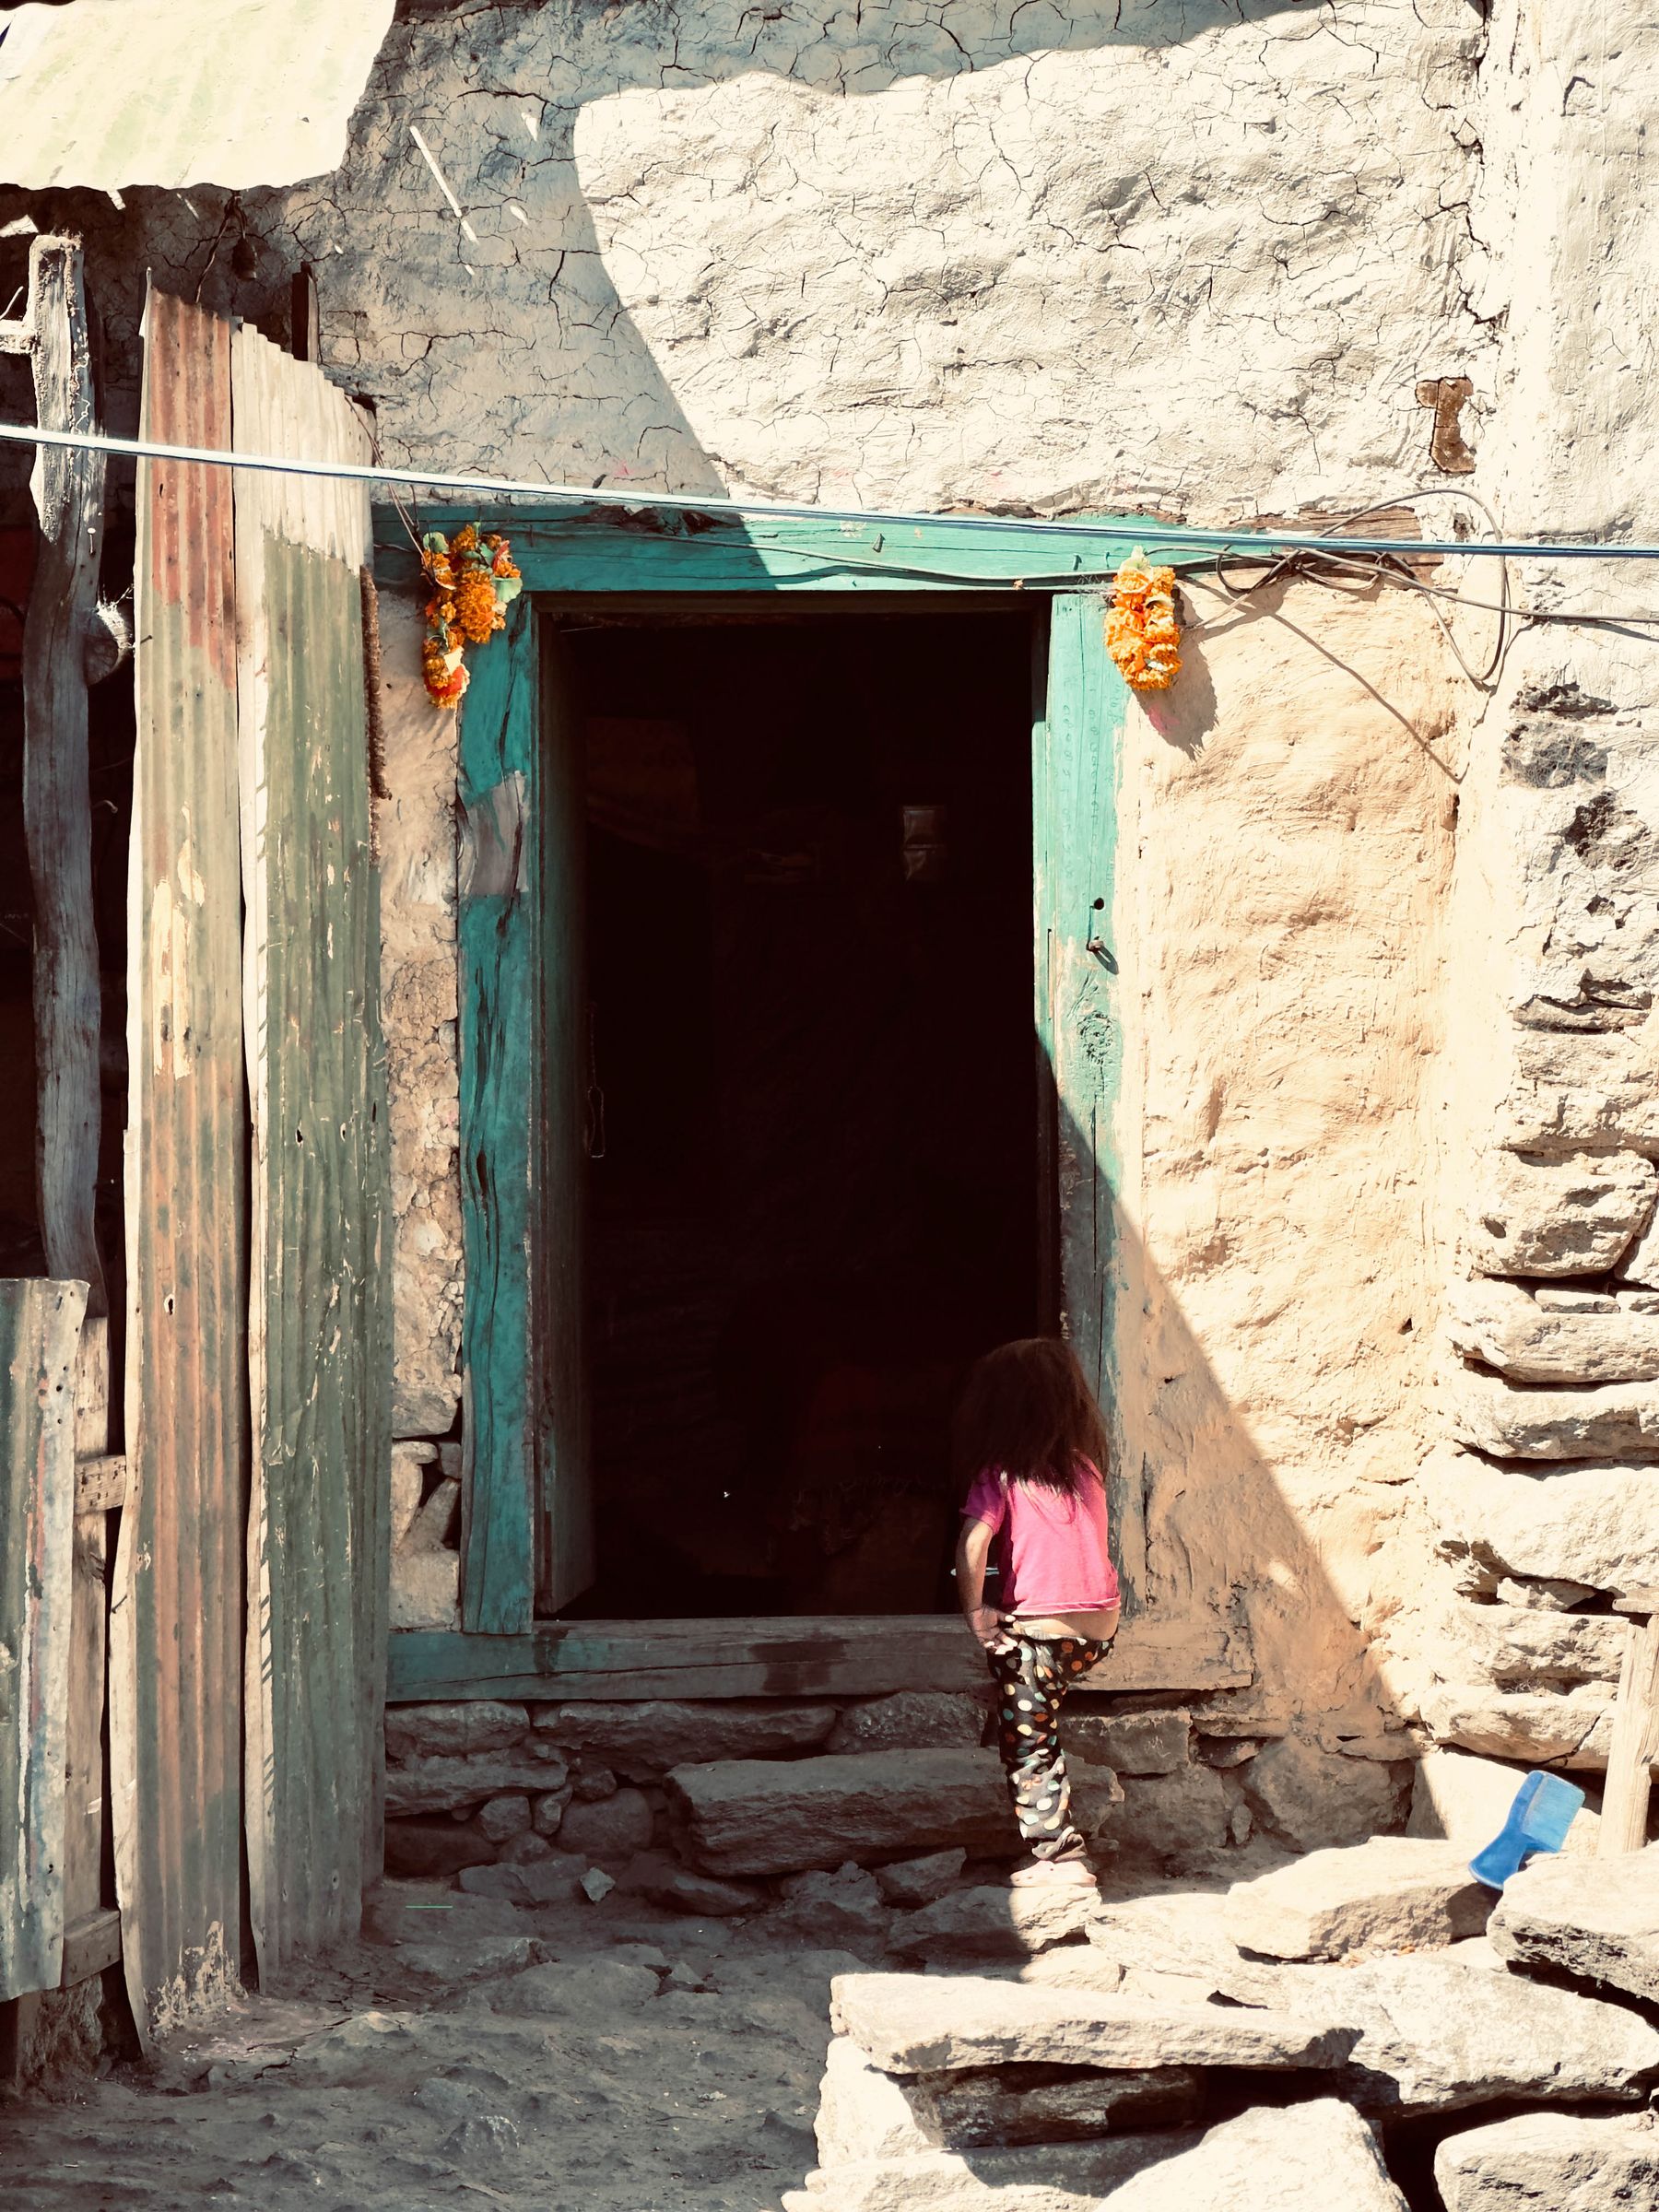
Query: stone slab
[
  {"x": 865, "y": 2113},
  {"x": 1504, "y": 1325},
  {"x": 915, "y": 1720},
  {"x": 1551, "y": 2162},
  {"x": 1319, "y": 2157},
  {"x": 1129, "y": 1743},
  {"x": 1394, "y": 1893},
  {"x": 440, "y": 1785},
  {"x": 750, "y": 1816},
  {"x": 1437, "y": 2032},
  {"x": 994, "y": 1921},
  {"x": 1597, "y": 1920},
  {"x": 1310, "y": 1798},
  {"x": 1595, "y": 1525},
  {"x": 1558, "y": 1217},
  {"x": 644, "y": 1739},
  {"x": 916, "y": 1882},
  {"x": 1518, "y": 1421},
  {"x": 927, "y": 2024},
  {"x": 1174, "y": 1821},
  {"x": 1466, "y": 1799},
  {"x": 1049, "y": 2177}
]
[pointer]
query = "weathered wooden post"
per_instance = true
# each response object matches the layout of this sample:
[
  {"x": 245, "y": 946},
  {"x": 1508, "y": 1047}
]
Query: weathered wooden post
[
  {"x": 64, "y": 645},
  {"x": 1635, "y": 1729}
]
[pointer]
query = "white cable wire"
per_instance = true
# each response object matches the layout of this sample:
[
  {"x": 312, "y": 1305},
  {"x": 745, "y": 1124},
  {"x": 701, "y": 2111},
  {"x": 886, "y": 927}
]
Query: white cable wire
[{"x": 1147, "y": 530}]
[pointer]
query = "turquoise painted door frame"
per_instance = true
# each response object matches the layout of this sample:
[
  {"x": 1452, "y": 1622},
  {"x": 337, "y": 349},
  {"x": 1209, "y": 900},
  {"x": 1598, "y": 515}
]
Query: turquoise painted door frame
[{"x": 1079, "y": 708}]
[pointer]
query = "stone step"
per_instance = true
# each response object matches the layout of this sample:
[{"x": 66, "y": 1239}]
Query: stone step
[
  {"x": 929, "y": 2024},
  {"x": 1597, "y": 1920},
  {"x": 1394, "y": 1893},
  {"x": 1301, "y": 2157},
  {"x": 994, "y": 1922},
  {"x": 1049, "y": 2177},
  {"x": 758, "y": 1817},
  {"x": 1553, "y": 2161}
]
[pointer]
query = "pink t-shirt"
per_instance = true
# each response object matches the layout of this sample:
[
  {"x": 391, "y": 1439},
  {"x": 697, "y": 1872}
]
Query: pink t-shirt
[{"x": 1051, "y": 1546}]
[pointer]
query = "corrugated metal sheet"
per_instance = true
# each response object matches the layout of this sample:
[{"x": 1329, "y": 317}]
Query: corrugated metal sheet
[
  {"x": 40, "y": 1329},
  {"x": 318, "y": 1340},
  {"x": 110, "y": 93},
  {"x": 177, "y": 1623}
]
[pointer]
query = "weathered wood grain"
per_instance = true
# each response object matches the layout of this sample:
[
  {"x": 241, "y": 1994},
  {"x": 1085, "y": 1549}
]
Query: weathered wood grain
[
  {"x": 69, "y": 486},
  {"x": 1635, "y": 1743},
  {"x": 844, "y": 1655}
]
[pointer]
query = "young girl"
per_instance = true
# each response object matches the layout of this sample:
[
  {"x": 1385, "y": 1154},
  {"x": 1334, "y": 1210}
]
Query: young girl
[{"x": 1031, "y": 1437}]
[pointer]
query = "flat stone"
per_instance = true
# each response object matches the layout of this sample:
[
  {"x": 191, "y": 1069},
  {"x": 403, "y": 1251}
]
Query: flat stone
[
  {"x": 1532, "y": 1342},
  {"x": 1466, "y": 1799},
  {"x": 548, "y": 1812},
  {"x": 1129, "y": 1743},
  {"x": 865, "y": 2113},
  {"x": 440, "y": 1785},
  {"x": 1299, "y": 2158},
  {"x": 927, "y": 2024},
  {"x": 504, "y": 1816},
  {"x": 434, "y": 1846},
  {"x": 546, "y": 1882},
  {"x": 919, "y": 1881},
  {"x": 1541, "y": 1594},
  {"x": 1393, "y": 1893},
  {"x": 844, "y": 1909},
  {"x": 1516, "y": 1420},
  {"x": 703, "y": 1896},
  {"x": 747, "y": 1816},
  {"x": 431, "y": 1527},
  {"x": 915, "y": 1720},
  {"x": 1311, "y": 1798},
  {"x": 1171, "y": 1946},
  {"x": 1555, "y": 1216},
  {"x": 994, "y": 1922},
  {"x": 1175, "y": 1821},
  {"x": 1048, "y": 2177},
  {"x": 611, "y": 1828},
  {"x": 1567, "y": 1728},
  {"x": 593, "y": 1783},
  {"x": 409, "y": 1462},
  {"x": 1551, "y": 2162},
  {"x": 426, "y": 1590},
  {"x": 644, "y": 1740},
  {"x": 1562, "y": 1298},
  {"x": 523, "y": 1850},
  {"x": 1639, "y": 1302},
  {"x": 1596, "y": 1920},
  {"x": 1595, "y": 1525},
  {"x": 1438, "y": 2033},
  {"x": 430, "y": 1911},
  {"x": 1519, "y": 1645},
  {"x": 454, "y": 1730}
]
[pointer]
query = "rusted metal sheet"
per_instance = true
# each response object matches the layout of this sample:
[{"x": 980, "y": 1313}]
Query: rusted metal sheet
[
  {"x": 177, "y": 1622},
  {"x": 319, "y": 1359},
  {"x": 40, "y": 1328},
  {"x": 109, "y": 93}
]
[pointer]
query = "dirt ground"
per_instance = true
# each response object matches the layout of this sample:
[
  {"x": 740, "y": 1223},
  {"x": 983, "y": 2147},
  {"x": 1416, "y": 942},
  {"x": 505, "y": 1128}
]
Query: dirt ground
[{"x": 585, "y": 2058}]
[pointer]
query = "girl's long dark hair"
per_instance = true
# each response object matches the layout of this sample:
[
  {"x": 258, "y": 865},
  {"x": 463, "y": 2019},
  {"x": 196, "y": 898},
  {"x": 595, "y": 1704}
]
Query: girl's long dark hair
[{"x": 1027, "y": 1412}]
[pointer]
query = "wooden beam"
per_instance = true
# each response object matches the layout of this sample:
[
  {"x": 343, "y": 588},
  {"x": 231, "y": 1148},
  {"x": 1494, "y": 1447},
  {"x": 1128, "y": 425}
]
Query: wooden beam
[
  {"x": 91, "y": 1945},
  {"x": 305, "y": 326},
  {"x": 68, "y": 486},
  {"x": 1635, "y": 1741},
  {"x": 788, "y": 1657}
]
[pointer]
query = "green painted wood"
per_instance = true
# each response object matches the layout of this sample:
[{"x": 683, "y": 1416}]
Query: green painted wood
[
  {"x": 499, "y": 789},
  {"x": 600, "y": 551},
  {"x": 319, "y": 1365},
  {"x": 559, "y": 1348},
  {"x": 1076, "y": 770},
  {"x": 39, "y": 1331},
  {"x": 842, "y": 1657}
]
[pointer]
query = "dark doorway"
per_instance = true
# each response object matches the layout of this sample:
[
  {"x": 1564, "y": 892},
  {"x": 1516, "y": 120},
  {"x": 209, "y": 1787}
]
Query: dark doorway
[{"x": 811, "y": 1093}]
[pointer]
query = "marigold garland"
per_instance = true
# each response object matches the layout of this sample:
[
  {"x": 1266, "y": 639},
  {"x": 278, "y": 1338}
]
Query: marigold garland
[
  {"x": 1142, "y": 634},
  {"x": 473, "y": 581}
]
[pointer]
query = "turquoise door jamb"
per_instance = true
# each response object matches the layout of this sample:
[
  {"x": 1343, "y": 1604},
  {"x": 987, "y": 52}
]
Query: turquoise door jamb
[{"x": 1076, "y": 744}]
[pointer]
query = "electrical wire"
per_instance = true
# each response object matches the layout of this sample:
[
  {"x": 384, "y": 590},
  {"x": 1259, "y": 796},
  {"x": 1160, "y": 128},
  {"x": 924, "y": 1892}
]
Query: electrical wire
[{"x": 1147, "y": 530}]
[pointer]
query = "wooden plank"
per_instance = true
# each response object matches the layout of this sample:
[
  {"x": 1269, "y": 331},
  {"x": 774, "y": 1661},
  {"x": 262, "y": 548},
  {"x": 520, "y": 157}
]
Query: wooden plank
[
  {"x": 84, "y": 1781},
  {"x": 499, "y": 785},
  {"x": 68, "y": 486},
  {"x": 559, "y": 1346},
  {"x": 318, "y": 1391},
  {"x": 91, "y": 1946},
  {"x": 40, "y": 1324},
  {"x": 1635, "y": 1744},
  {"x": 848, "y": 1656},
  {"x": 100, "y": 1485},
  {"x": 176, "y": 1633},
  {"x": 1076, "y": 759}
]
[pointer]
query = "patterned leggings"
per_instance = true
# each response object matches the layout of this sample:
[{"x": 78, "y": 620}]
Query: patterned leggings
[{"x": 1032, "y": 1677}]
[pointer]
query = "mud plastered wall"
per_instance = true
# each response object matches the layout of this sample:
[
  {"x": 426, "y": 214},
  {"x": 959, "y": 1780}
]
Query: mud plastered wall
[{"x": 1292, "y": 810}]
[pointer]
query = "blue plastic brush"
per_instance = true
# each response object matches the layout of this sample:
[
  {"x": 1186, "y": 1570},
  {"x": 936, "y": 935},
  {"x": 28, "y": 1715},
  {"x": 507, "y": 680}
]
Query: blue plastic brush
[{"x": 1544, "y": 1810}]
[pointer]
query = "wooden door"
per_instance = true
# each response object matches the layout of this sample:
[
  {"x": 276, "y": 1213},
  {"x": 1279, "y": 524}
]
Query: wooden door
[
  {"x": 1076, "y": 774},
  {"x": 565, "y": 1564}
]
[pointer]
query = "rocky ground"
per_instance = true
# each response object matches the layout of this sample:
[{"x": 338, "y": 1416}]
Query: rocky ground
[{"x": 1354, "y": 2031}]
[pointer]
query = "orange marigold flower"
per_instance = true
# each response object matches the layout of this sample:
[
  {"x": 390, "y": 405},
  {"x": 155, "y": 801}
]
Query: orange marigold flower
[
  {"x": 475, "y": 606},
  {"x": 464, "y": 539}
]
